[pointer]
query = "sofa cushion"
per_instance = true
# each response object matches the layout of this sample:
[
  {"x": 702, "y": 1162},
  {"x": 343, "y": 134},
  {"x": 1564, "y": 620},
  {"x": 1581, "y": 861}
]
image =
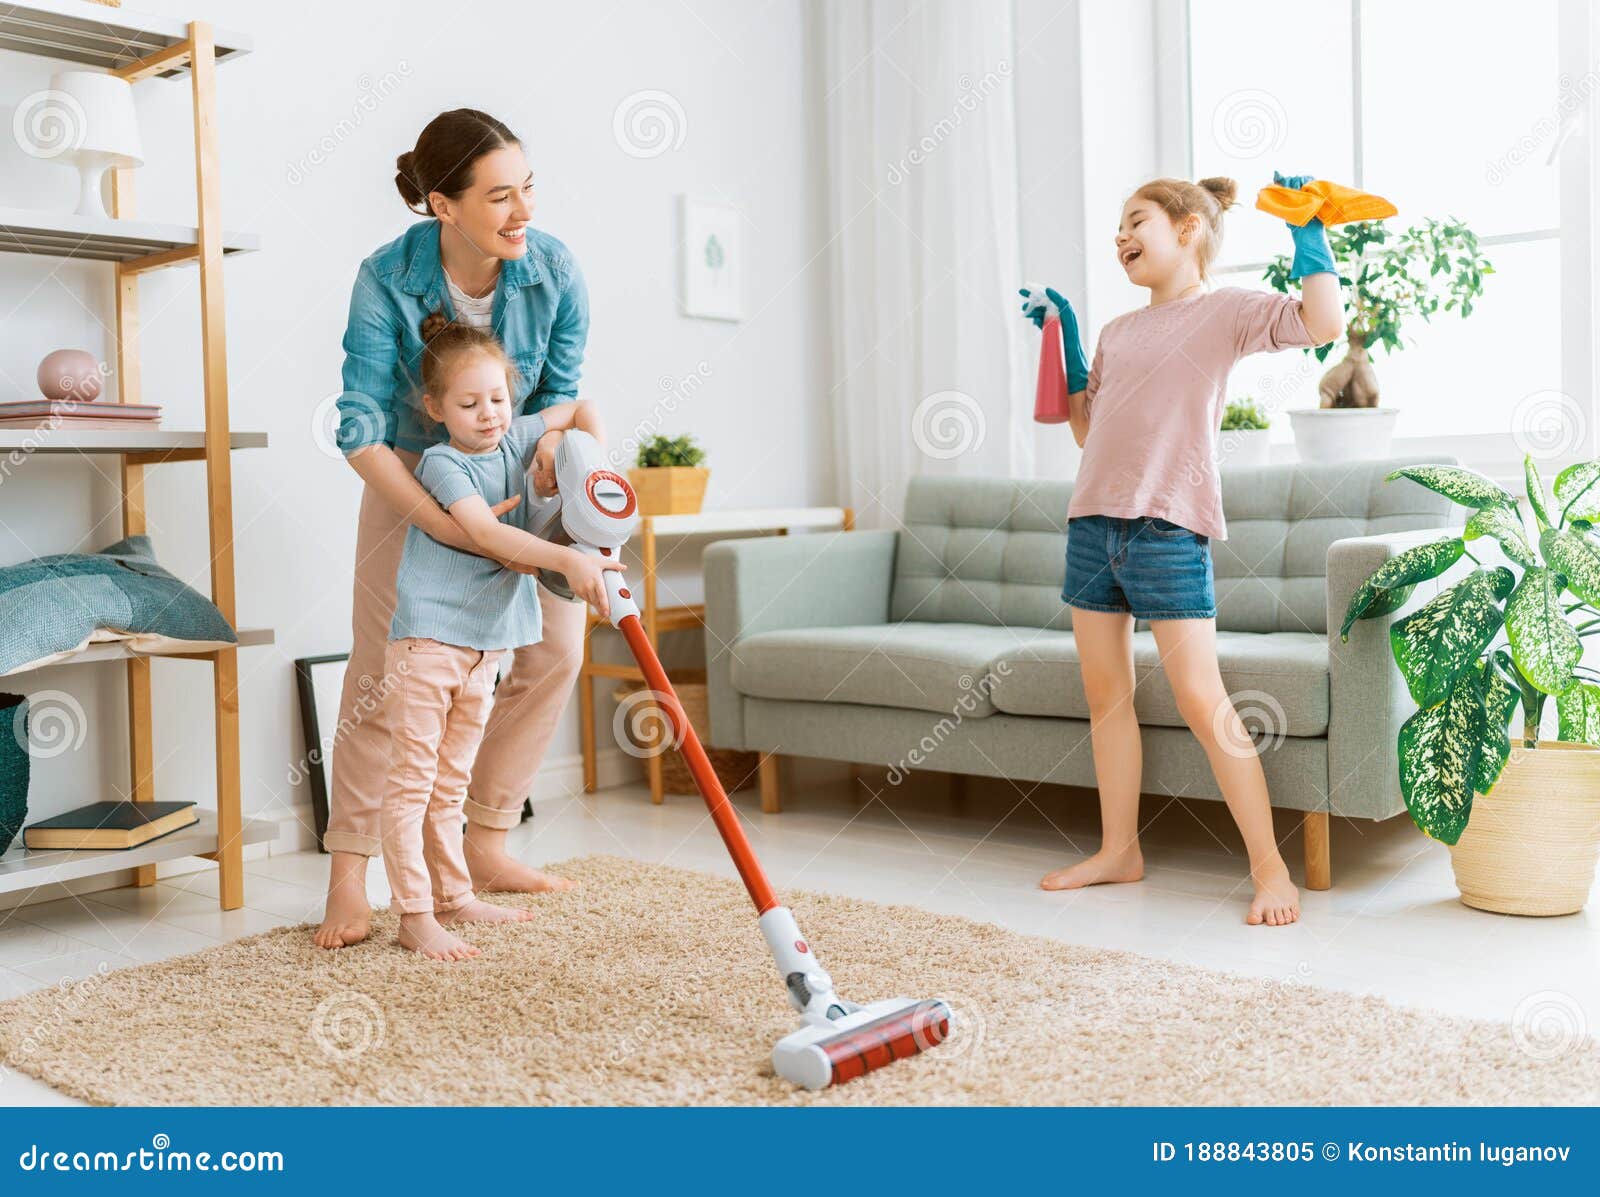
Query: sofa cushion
[
  {"x": 941, "y": 667},
  {"x": 1279, "y": 677}
]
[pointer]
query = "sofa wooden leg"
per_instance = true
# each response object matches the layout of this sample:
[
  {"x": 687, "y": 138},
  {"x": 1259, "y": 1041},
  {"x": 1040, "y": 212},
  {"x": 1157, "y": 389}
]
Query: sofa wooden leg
[
  {"x": 1319, "y": 861},
  {"x": 770, "y": 803}
]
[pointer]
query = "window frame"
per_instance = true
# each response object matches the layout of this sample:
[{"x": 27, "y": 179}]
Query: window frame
[{"x": 1577, "y": 24}]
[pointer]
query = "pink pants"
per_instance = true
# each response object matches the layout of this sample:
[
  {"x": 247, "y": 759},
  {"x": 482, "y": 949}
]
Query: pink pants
[
  {"x": 437, "y": 710},
  {"x": 527, "y": 706}
]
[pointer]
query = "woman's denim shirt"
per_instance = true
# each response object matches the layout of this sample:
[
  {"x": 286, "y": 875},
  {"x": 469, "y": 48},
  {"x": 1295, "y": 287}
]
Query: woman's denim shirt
[{"x": 540, "y": 315}]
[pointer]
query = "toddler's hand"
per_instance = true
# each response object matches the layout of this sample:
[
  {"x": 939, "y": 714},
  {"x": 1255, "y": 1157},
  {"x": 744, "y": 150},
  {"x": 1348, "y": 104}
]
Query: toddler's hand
[
  {"x": 586, "y": 574},
  {"x": 544, "y": 464}
]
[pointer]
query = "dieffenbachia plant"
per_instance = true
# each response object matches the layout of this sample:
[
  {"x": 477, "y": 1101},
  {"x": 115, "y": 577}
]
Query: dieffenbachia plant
[{"x": 1475, "y": 651}]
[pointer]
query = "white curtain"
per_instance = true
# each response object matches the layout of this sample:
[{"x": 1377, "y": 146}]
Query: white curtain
[{"x": 930, "y": 372}]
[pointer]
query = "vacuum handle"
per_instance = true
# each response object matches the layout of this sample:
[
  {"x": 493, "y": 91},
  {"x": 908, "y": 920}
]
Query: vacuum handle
[{"x": 694, "y": 755}]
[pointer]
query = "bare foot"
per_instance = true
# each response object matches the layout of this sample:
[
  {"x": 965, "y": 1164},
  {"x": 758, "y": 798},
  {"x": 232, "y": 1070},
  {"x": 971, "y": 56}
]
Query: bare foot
[
  {"x": 483, "y": 912},
  {"x": 422, "y": 933},
  {"x": 494, "y": 870},
  {"x": 347, "y": 917},
  {"x": 1103, "y": 868},
  {"x": 1277, "y": 902}
]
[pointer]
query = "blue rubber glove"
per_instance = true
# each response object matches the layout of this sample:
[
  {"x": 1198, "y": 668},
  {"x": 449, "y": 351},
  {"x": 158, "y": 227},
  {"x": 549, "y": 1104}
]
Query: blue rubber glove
[
  {"x": 1312, "y": 253},
  {"x": 1038, "y": 307}
]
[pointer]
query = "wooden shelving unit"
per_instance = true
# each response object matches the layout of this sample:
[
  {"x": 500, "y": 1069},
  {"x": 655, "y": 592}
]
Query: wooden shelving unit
[{"x": 135, "y": 47}]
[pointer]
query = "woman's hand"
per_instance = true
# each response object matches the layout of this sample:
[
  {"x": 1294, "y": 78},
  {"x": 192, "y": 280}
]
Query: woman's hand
[
  {"x": 544, "y": 463},
  {"x": 586, "y": 576}
]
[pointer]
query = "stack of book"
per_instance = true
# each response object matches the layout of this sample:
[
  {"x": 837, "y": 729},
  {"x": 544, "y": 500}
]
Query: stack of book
[{"x": 46, "y": 414}]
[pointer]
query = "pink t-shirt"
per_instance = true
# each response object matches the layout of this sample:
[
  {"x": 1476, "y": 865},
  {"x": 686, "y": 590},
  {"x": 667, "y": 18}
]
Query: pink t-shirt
[{"x": 1155, "y": 395}]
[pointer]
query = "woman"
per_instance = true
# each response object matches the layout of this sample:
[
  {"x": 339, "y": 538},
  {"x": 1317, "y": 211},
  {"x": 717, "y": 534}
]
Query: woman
[{"x": 477, "y": 260}]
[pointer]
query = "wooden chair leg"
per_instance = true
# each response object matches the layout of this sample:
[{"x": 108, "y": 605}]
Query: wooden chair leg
[
  {"x": 1319, "y": 861},
  {"x": 770, "y": 802}
]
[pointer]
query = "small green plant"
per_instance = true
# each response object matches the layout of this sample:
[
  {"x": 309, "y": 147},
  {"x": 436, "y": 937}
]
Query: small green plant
[
  {"x": 1244, "y": 415},
  {"x": 1466, "y": 680},
  {"x": 1388, "y": 278},
  {"x": 670, "y": 451}
]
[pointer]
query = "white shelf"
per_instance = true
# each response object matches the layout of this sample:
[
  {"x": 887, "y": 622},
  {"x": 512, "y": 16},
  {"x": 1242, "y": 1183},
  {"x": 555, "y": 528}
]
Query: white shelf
[
  {"x": 102, "y": 239},
  {"x": 21, "y": 868},
  {"x": 754, "y": 519},
  {"x": 118, "y": 650},
  {"x": 67, "y": 439},
  {"x": 96, "y": 35}
]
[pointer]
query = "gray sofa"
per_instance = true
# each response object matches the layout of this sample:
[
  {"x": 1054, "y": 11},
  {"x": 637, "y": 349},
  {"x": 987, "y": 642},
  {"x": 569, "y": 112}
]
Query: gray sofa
[{"x": 944, "y": 644}]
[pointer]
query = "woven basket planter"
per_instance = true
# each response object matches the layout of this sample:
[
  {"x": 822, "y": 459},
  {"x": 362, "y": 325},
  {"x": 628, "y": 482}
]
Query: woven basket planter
[
  {"x": 13, "y": 766},
  {"x": 669, "y": 490},
  {"x": 735, "y": 769},
  {"x": 1530, "y": 846}
]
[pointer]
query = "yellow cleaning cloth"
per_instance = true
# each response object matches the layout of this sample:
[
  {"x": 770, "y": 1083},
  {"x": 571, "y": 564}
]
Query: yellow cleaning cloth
[{"x": 1333, "y": 202}]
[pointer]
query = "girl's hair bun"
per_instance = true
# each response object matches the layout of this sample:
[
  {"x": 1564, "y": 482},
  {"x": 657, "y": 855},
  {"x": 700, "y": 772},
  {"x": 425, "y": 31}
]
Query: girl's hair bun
[
  {"x": 433, "y": 324},
  {"x": 405, "y": 181},
  {"x": 1223, "y": 189}
]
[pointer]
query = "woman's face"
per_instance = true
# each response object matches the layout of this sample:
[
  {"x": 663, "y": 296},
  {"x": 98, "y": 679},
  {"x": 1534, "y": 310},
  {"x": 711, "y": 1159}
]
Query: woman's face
[
  {"x": 1148, "y": 242},
  {"x": 496, "y": 206},
  {"x": 476, "y": 406}
]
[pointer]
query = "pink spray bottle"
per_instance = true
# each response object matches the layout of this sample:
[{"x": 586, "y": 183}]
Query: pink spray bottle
[{"x": 1050, "y": 405}]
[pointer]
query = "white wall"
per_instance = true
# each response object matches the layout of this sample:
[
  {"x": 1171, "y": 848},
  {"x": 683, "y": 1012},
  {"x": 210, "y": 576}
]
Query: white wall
[{"x": 322, "y": 198}]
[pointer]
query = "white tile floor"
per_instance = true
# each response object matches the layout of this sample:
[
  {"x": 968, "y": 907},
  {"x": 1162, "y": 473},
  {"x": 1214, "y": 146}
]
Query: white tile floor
[{"x": 1390, "y": 926}]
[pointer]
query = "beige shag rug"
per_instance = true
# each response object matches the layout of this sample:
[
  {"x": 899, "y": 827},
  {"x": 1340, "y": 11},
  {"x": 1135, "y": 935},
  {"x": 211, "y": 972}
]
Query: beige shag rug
[{"x": 651, "y": 985}]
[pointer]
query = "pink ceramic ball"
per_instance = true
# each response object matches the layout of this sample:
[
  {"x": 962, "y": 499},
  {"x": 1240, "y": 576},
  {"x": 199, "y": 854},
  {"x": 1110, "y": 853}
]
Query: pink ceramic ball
[{"x": 71, "y": 374}]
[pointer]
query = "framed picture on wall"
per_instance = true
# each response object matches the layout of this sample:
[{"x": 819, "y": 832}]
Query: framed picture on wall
[{"x": 713, "y": 260}]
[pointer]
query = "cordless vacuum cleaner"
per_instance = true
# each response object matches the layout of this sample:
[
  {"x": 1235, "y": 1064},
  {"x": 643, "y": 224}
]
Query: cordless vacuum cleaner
[{"x": 837, "y": 1040}]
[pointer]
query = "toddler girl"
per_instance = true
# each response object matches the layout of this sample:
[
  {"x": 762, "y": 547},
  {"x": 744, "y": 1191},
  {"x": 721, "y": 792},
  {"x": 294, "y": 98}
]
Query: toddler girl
[
  {"x": 1147, "y": 501},
  {"x": 456, "y": 614}
]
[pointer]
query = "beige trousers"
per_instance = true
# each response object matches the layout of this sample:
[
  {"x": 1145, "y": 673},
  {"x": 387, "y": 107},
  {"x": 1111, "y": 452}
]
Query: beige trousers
[
  {"x": 527, "y": 706},
  {"x": 437, "y": 710}
]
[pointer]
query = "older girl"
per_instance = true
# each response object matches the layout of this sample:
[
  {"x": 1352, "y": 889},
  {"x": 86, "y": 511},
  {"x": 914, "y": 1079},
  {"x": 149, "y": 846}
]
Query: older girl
[{"x": 1147, "y": 501}]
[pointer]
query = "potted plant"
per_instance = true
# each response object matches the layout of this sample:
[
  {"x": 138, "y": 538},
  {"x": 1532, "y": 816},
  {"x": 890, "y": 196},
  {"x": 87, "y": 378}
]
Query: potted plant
[
  {"x": 1523, "y": 824},
  {"x": 1431, "y": 267},
  {"x": 1243, "y": 440},
  {"x": 669, "y": 479}
]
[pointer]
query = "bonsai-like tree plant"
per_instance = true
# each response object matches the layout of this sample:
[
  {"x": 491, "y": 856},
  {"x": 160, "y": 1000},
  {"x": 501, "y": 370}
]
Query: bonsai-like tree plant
[
  {"x": 1466, "y": 680},
  {"x": 1430, "y": 267}
]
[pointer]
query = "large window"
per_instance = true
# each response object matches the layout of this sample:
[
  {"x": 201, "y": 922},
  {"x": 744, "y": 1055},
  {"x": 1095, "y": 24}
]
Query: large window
[{"x": 1450, "y": 110}]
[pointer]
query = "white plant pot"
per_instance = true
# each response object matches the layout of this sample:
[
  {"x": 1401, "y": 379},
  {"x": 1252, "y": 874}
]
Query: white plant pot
[
  {"x": 1242, "y": 448},
  {"x": 1342, "y": 433}
]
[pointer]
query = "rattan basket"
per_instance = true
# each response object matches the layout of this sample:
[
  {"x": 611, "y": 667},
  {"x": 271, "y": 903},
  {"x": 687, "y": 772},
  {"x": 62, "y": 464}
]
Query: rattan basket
[
  {"x": 1530, "y": 845},
  {"x": 734, "y": 768}
]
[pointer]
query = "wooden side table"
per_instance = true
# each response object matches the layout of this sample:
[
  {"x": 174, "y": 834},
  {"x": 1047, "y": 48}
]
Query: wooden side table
[{"x": 656, "y": 620}]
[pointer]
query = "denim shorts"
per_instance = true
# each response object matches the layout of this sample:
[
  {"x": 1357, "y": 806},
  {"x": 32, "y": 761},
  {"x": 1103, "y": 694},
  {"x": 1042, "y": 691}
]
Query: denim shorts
[{"x": 1148, "y": 567}]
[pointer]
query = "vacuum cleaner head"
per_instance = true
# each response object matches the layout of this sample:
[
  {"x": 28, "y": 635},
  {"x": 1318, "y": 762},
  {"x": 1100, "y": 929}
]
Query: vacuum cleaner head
[{"x": 840, "y": 1050}]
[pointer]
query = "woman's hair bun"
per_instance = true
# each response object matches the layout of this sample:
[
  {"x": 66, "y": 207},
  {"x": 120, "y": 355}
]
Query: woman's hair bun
[
  {"x": 1224, "y": 189},
  {"x": 405, "y": 181},
  {"x": 433, "y": 324}
]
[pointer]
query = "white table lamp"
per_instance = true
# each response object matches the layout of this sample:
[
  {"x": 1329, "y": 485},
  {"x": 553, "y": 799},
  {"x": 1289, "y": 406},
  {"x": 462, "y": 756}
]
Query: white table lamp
[{"x": 109, "y": 128}]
